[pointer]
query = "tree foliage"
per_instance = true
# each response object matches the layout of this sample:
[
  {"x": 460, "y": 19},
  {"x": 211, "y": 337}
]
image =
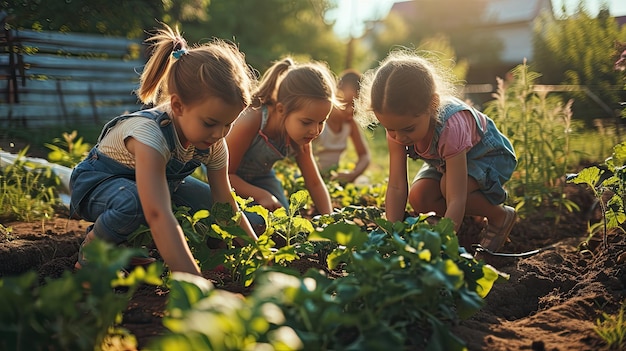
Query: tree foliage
[
  {"x": 265, "y": 30},
  {"x": 433, "y": 18},
  {"x": 271, "y": 29},
  {"x": 128, "y": 18},
  {"x": 579, "y": 50}
]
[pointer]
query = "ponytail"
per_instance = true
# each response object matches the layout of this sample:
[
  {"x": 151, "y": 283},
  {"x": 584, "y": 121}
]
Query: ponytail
[
  {"x": 152, "y": 84},
  {"x": 266, "y": 92},
  {"x": 216, "y": 69}
]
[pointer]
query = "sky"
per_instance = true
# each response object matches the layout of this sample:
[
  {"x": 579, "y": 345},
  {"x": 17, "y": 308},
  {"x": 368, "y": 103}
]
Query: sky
[{"x": 350, "y": 14}]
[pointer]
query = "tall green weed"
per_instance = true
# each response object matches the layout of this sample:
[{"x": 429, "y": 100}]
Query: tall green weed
[
  {"x": 539, "y": 126},
  {"x": 27, "y": 191},
  {"x": 68, "y": 151}
]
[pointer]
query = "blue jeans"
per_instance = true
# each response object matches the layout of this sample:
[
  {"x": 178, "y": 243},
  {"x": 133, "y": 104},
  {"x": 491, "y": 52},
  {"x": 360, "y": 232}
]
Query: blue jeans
[
  {"x": 273, "y": 185},
  {"x": 116, "y": 211}
]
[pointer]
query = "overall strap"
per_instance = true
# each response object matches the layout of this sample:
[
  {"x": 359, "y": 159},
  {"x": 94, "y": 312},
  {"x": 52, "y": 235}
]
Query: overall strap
[{"x": 162, "y": 119}]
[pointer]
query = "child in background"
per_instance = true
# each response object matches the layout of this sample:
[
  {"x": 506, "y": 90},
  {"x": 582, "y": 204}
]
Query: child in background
[
  {"x": 620, "y": 59},
  {"x": 143, "y": 160},
  {"x": 288, "y": 111},
  {"x": 340, "y": 125},
  {"x": 466, "y": 158}
]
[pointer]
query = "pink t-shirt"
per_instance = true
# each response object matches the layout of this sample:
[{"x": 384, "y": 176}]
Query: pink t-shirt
[{"x": 459, "y": 134}]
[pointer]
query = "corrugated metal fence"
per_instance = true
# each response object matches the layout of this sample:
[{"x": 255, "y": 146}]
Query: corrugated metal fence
[{"x": 60, "y": 79}]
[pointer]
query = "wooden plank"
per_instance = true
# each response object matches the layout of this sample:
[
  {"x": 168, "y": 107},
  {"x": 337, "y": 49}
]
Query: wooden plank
[
  {"x": 77, "y": 86},
  {"x": 76, "y": 63},
  {"x": 75, "y": 40},
  {"x": 52, "y": 115},
  {"x": 104, "y": 76},
  {"x": 74, "y": 99},
  {"x": 47, "y": 99},
  {"x": 131, "y": 53},
  {"x": 70, "y": 78}
]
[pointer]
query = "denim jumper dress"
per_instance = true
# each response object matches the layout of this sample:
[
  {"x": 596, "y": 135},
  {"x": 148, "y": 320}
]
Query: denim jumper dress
[
  {"x": 256, "y": 166},
  {"x": 105, "y": 191},
  {"x": 491, "y": 162}
]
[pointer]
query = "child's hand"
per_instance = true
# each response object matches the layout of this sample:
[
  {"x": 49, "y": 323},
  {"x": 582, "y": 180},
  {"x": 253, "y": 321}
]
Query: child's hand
[
  {"x": 270, "y": 202},
  {"x": 343, "y": 177}
]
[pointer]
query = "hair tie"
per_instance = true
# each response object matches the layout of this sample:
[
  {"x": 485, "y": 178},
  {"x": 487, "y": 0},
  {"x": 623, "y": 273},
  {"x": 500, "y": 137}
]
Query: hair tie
[{"x": 178, "y": 53}]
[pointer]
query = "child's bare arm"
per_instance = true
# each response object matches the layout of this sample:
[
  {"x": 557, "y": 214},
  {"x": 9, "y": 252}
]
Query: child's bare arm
[
  {"x": 313, "y": 180},
  {"x": 238, "y": 140},
  {"x": 156, "y": 204},
  {"x": 398, "y": 186},
  {"x": 456, "y": 188},
  {"x": 361, "y": 148}
]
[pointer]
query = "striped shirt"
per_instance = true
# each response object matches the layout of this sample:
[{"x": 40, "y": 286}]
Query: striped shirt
[{"x": 148, "y": 132}]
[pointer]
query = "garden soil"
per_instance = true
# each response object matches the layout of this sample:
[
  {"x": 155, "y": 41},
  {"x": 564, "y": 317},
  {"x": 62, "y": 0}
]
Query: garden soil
[{"x": 551, "y": 301}]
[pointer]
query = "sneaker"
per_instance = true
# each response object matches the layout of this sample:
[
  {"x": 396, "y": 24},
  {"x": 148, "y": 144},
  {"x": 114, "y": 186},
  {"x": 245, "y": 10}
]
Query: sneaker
[
  {"x": 134, "y": 261},
  {"x": 80, "y": 261},
  {"x": 495, "y": 237}
]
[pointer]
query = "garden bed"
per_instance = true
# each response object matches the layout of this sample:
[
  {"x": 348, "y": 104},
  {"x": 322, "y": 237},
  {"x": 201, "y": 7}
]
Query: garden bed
[{"x": 551, "y": 302}]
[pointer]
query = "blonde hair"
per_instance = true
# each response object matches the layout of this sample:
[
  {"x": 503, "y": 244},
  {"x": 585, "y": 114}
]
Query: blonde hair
[
  {"x": 295, "y": 85},
  {"x": 216, "y": 69},
  {"x": 405, "y": 83}
]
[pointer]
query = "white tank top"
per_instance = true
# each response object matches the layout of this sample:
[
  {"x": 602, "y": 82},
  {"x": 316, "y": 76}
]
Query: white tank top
[{"x": 329, "y": 146}]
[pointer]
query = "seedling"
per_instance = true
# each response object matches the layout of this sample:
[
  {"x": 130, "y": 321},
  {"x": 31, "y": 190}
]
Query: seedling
[{"x": 610, "y": 179}]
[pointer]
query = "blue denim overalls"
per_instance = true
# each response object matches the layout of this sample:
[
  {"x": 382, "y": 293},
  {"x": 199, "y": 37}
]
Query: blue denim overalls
[
  {"x": 491, "y": 162},
  {"x": 105, "y": 191},
  {"x": 256, "y": 166}
]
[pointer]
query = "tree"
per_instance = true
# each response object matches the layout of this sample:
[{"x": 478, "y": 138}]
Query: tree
[
  {"x": 578, "y": 50},
  {"x": 432, "y": 18},
  {"x": 265, "y": 30},
  {"x": 128, "y": 18},
  {"x": 270, "y": 29}
]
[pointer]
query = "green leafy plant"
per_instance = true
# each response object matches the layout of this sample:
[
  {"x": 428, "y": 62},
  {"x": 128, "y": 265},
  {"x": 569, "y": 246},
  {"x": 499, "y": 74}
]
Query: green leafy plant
[
  {"x": 612, "y": 329},
  {"x": 68, "y": 151},
  {"x": 350, "y": 194},
  {"x": 27, "y": 191},
  {"x": 76, "y": 311},
  {"x": 608, "y": 178},
  {"x": 223, "y": 224},
  {"x": 229, "y": 322},
  {"x": 539, "y": 126},
  {"x": 404, "y": 284},
  {"x": 289, "y": 175},
  {"x": 6, "y": 232},
  {"x": 407, "y": 275}
]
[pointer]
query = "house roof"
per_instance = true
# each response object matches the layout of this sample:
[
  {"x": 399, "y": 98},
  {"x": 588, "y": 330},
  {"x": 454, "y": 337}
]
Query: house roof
[
  {"x": 496, "y": 12},
  {"x": 508, "y": 11}
]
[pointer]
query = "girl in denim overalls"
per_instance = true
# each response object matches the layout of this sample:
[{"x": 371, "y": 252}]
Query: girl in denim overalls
[
  {"x": 466, "y": 158},
  {"x": 143, "y": 161},
  {"x": 288, "y": 111}
]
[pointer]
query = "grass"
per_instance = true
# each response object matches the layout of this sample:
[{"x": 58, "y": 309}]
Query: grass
[
  {"x": 378, "y": 170},
  {"x": 594, "y": 146}
]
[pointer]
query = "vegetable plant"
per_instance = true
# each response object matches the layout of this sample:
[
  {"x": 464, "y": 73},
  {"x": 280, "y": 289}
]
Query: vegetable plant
[
  {"x": 608, "y": 178},
  {"x": 77, "y": 310},
  {"x": 404, "y": 284}
]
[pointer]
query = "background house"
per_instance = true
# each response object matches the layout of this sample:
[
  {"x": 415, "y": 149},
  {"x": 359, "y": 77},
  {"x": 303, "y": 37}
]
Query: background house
[{"x": 507, "y": 22}]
